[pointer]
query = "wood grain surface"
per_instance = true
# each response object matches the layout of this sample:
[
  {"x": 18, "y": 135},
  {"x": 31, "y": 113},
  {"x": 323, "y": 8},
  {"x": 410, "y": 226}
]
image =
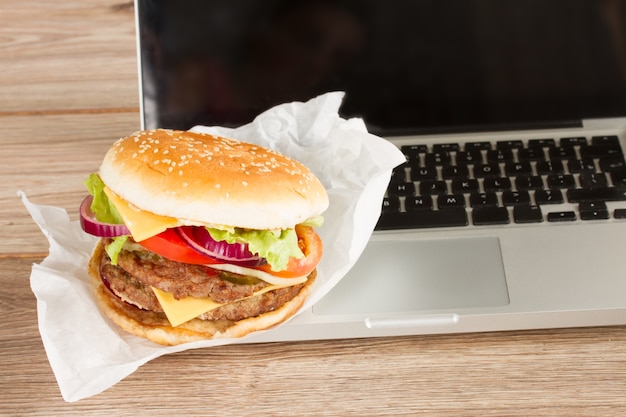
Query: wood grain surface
[{"x": 68, "y": 88}]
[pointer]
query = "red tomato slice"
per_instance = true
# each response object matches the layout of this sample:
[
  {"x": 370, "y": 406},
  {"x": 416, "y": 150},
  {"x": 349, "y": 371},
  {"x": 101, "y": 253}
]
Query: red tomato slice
[
  {"x": 169, "y": 245},
  {"x": 311, "y": 245}
]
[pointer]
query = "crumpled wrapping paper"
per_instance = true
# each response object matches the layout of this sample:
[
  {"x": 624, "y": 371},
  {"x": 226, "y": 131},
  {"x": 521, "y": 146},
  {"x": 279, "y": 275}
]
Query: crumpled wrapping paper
[{"x": 89, "y": 354}]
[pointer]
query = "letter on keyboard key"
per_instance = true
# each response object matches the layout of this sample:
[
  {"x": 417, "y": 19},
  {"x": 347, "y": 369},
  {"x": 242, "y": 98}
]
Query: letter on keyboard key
[
  {"x": 449, "y": 217},
  {"x": 401, "y": 188}
]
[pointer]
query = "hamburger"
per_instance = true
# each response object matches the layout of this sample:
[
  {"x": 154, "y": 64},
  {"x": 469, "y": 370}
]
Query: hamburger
[{"x": 201, "y": 237}]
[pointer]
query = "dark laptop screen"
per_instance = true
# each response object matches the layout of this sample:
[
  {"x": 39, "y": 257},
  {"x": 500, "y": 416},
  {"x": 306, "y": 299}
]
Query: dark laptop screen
[{"x": 407, "y": 66}]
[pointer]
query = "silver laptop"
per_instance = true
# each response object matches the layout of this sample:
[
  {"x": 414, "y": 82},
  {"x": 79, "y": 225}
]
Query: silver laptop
[{"x": 510, "y": 212}]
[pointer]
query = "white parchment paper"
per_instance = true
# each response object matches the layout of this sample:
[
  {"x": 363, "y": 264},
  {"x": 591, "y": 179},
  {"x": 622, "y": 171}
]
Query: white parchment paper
[{"x": 89, "y": 354}]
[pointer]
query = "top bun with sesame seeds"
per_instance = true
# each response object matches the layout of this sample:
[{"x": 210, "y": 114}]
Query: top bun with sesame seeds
[{"x": 203, "y": 179}]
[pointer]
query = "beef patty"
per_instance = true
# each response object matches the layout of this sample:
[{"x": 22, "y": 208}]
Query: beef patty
[{"x": 137, "y": 271}]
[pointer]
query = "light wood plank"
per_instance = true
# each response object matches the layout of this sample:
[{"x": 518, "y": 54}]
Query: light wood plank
[
  {"x": 48, "y": 157},
  {"x": 67, "y": 55},
  {"x": 568, "y": 372}
]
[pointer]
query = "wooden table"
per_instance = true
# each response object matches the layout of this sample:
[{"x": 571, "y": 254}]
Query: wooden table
[{"x": 68, "y": 88}]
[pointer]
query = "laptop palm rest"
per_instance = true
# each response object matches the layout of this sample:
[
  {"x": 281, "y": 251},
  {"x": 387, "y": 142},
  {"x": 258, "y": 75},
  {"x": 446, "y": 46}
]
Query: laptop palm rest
[{"x": 420, "y": 275}]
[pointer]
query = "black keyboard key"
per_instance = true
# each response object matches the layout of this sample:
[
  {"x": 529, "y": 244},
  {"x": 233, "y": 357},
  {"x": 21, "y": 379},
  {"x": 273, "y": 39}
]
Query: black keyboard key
[
  {"x": 527, "y": 214},
  {"x": 618, "y": 177},
  {"x": 541, "y": 143},
  {"x": 518, "y": 168},
  {"x": 549, "y": 197},
  {"x": 550, "y": 167},
  {"x": 398, "y": 174},
  {"x": 531, "y": 154},
  {"x": 529, "y": 182},
  {"x": 486, "y": 170},
  {"x": 605, "y": 140},
  {"x": 423, "y": 173},
  {"x": 620, "y": 213},
  {"x": 445, "y": 147},
  {"x": 437, "y": 158},
  {"x": 496, "y": 183},
  {"x": 561, "y": 181},
  {"x": 469, "y": 157},
  {"x": 562, "y": 216},
  {"x": 609, "y": 164},
  {"x": 423, "y": 219},
  {"x": 489, "y": 215},
  {"x": 433, "y": 187},
  {"x": 592, "y": 180},
  {"x": 499, "y": 155},
  {"x": 422, "y": 202},
  {"x": 597, "y": 194},
  {"x": 413, "y": 150},
  {"x": 515, "y": 198},
  {"x": 509, "y": 144},
  {"x": 391, "y": 204},
  {"x": 593, "y": 210},
  {"x": 576, "y": 166},
  {"x": 562, "y": 153},
  {"x": 483, "y": 199},
  {"x": 600, "y": 151},
  {"x": 445, "y": 201},
  {"x": 401, "y": 188},
  {"x": 483, "y": 145},
  {"x": 454, "y": 171},
  {"x": 465, "y": 185},
  {"x": 573, "y": 141}
]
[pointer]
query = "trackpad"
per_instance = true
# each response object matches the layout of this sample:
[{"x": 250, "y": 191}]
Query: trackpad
[{"x": 414, "y": 275}]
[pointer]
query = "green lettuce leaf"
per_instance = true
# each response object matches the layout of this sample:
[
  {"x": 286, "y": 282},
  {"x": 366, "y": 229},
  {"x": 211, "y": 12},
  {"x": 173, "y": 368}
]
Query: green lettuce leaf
[
  {"x": 105, "y": 212},
  {"x": 317, "y": 221},
  {"x": 114, "y": 248},
  {"x": 101, "y": 206},
  {"x": 276, "y": 246}
]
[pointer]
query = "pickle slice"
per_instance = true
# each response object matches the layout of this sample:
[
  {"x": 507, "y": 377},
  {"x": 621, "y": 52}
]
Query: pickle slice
[{"x": 239, "y": 279}]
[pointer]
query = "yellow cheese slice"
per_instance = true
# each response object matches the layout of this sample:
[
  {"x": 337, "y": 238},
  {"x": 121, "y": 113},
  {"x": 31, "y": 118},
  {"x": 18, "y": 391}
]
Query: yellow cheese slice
[
  {"x": 185, "y": 309},
  {"x": 142, "y": 224}
]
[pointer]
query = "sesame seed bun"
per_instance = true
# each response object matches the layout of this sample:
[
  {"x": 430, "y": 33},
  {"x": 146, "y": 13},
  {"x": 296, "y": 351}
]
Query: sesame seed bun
[{"x": 203, "y": 179}]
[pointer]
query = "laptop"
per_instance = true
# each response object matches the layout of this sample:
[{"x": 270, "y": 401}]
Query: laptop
[{"x": 510, "y": 212}]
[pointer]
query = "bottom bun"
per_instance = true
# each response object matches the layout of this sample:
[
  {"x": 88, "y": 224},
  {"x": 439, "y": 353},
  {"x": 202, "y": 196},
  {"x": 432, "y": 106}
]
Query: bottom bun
[{"x": 156, "y": 327}]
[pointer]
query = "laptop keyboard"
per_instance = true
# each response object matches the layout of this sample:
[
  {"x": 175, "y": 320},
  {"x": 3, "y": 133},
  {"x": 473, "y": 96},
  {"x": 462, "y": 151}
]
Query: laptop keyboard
[{"x": 502, "y": 182}]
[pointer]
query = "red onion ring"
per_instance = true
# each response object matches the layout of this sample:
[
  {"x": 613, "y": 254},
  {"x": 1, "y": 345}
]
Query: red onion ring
[
  {"x": 199, "y": 239},
  {"x": 91, "y": 225}
]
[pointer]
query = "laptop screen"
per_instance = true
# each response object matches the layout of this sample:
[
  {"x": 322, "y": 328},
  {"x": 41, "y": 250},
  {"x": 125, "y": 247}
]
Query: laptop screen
[{"x": 407, "y": 66}]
